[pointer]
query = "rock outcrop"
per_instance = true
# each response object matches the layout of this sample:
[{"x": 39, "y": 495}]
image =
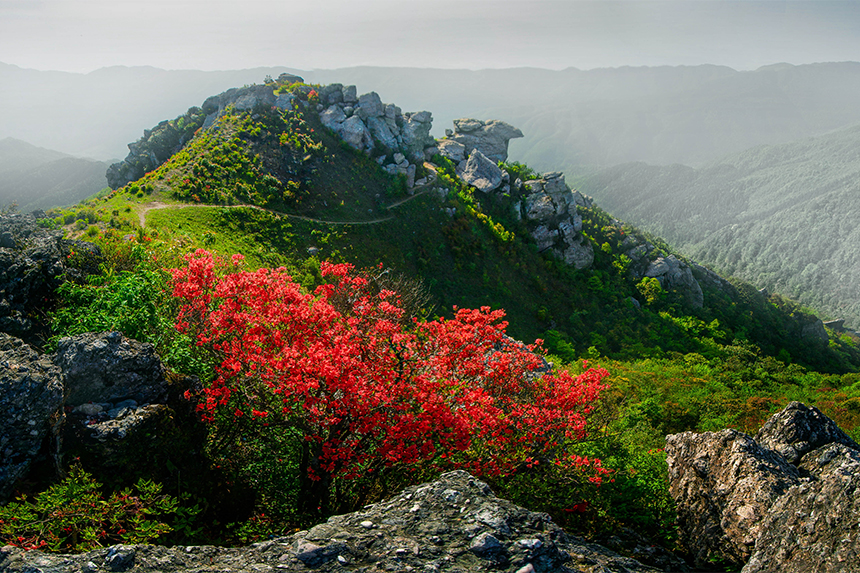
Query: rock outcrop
[
  {"x": 396, "y": 139},
  {"x": 799, "y": 429},
  {"x": 102, "y": 396},
  {"x": 34, "y": 261},
  {"x": 453, "y": 524},
  {"x": 785, "y": 501},
  {"x": 550, "y": 209},
  {"x": 489, "y": 137},
  {"x": 675, "y": 274},
  {"x": 108, "y": 367}
]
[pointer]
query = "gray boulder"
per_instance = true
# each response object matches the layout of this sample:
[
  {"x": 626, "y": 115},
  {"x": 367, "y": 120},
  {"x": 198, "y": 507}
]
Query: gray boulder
[
  {"x": 108, "y": 367},
  {"x": 284, "y": 102},
  {"x": 332, "y": 117},
  {"x": 331, "y": 94},
  {"x": 31, "y": 408},
  {"x": 453, "y": 150},
  {"x": 371, "y": 105},
  {"x": 480, "y": 172},
  {"x": 349, "y": 94},
  {"x": 489, "y": 137},
  {"x": 452, "y": 524},
  {"x": 246, "y": 102},
  {"x": 415, "y": 132},
  {"x": 354, "y": 132},
  {"x": 381, "y": 133},
  {"x": 675, "y": 274}
]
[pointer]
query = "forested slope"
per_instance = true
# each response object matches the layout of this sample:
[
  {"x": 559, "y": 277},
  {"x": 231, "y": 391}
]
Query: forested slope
[{"x": 784, "y": 217}]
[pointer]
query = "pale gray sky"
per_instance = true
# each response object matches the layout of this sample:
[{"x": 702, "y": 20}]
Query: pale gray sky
[{"x": 83, "y": 35}]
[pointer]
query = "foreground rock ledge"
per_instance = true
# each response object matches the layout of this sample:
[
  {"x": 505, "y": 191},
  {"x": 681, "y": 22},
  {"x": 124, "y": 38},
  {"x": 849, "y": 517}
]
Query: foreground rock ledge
[{"x": 454, "y": 524}]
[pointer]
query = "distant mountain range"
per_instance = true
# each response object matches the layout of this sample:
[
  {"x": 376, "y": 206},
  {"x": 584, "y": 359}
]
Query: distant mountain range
[
  {"x": 571, "y": 118},
  {"x": 785, "y": 217},
  {"x": 37, "y": 178}
]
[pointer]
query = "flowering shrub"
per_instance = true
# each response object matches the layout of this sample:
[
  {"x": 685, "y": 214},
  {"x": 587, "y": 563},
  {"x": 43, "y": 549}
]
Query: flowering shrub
[
  {"x": 365, "y": 392},
  {"x": 74, "y": 516}
]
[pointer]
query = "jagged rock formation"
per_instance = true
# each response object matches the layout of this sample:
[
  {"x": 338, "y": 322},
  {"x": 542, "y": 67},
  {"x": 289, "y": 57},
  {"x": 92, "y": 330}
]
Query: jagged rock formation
[
  {"x": 109, "y": 367},
  {"x": 797, "y": 430},
  {"x": 551, "y": 206},
  {"x": 113, "y": 388},
  {"x": 453, "y": 524},
  {"x": 744, "y": 502},
  {"x": 33, "y": 263},
  {"x": 396, "y": 139}
]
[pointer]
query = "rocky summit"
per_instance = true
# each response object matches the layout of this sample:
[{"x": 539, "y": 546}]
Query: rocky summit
[
  {"x": 454, "y": 524},
  {"x": 786, "y": 500}
]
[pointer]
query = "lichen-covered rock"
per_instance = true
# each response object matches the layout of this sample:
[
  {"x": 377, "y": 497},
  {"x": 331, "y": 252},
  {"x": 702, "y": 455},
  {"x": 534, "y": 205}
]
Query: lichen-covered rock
[
  {"x": 798, "y": 429},
  {"x": 31, "y": 408},
  {"x": 723, "y": 483},
  {"x": 108, "y": 367},
  {"x": 815, "y": 526},
  {"x": 454, "y": 524}
]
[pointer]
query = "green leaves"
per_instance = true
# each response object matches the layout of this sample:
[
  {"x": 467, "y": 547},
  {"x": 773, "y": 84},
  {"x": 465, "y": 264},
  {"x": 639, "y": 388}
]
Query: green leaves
[{"x": 74, "y": 516}]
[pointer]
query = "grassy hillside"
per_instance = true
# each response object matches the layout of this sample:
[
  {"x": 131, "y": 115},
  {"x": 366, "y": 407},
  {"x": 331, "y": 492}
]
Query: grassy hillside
[
  {"x": 782, "y": 217},
  {"x": 284, "y": 191}
]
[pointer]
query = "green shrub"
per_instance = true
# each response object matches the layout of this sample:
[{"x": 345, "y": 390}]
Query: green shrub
[{"x": 74, "y": 516}]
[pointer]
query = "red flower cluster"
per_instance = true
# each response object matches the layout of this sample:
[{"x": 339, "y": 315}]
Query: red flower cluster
[{"x": 364, "y": 390}]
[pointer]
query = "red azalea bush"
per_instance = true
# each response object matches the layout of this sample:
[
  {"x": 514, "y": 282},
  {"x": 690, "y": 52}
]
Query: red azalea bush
[{"x": 367, "y": 390}]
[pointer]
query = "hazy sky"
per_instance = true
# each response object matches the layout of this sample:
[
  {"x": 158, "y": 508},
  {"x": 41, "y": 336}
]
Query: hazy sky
[{"x": 83, "y": 35}]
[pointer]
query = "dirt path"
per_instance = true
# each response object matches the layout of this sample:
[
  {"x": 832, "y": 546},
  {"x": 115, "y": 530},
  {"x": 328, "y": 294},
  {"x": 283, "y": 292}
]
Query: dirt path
[{"x": 154, "y": 205}]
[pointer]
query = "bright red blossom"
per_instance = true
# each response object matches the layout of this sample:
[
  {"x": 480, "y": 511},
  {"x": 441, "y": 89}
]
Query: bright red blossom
[{"x": 339, "y": 366}]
